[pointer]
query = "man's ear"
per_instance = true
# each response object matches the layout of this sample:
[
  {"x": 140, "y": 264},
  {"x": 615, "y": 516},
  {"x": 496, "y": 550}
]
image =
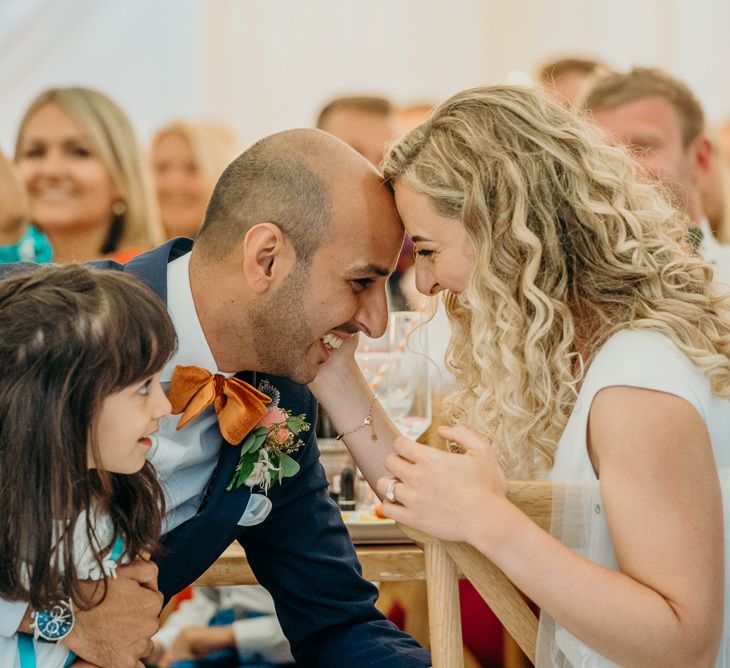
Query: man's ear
[
  {"x": 703, "y": 155},
  {"x": 268, "y": 257}
]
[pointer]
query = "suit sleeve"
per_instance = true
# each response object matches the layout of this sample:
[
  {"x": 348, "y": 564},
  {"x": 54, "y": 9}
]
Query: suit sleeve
[{"x": 302, "y": 553}]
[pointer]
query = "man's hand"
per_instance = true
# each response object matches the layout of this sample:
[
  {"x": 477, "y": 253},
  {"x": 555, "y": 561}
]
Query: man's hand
[{"x": 116, "y": 633}]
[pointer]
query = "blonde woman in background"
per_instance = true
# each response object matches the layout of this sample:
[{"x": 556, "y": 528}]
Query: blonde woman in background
[
  {"x": 88, "y": 187},
  {"x": 187, "y": 159},
  {"x": 588, "y": 346}
]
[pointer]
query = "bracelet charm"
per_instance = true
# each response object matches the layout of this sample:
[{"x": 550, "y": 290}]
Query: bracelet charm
[{"x": 367, "y": 422}]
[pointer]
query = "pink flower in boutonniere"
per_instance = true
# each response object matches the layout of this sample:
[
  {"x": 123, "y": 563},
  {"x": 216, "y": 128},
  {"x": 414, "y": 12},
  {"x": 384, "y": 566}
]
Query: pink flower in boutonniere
[
  {"x": 275, "y": 420},
  {"x": 265, "y": 452}
]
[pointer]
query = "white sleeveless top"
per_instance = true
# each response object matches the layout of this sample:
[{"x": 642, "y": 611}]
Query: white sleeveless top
[{"x": 635, "y": 358}]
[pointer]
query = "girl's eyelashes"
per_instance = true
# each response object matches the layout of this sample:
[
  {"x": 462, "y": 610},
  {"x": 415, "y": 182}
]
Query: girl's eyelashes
[{"x": 423, "y": 252}]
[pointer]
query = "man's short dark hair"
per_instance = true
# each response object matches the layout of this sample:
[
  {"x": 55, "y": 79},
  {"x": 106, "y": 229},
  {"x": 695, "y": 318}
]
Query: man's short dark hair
[
  {"x": 378, "y": 106},
  {"x": 619, "y": 88},
  {"x": 555, "y": 69},
  {"x": 273, "y": 181}
]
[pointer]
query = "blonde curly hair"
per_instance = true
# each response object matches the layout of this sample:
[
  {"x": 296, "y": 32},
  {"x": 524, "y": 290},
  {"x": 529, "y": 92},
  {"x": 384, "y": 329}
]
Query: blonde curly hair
[{"x": 569, "y": 249}]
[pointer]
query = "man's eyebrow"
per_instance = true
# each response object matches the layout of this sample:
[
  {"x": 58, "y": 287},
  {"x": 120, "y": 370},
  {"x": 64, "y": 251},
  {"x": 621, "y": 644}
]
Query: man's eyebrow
[{"x": 368, "y": 270}]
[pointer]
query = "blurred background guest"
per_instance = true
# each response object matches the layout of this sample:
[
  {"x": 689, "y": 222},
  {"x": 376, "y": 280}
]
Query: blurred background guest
[
  {"x": 660, "y": 121},
  {"x": 724, "y": 142},
  {"x": 87, "y": 184},
  {"x": 19, "y": 241},
  {"x": 187, "y": 159},
  {"x": 714, "y": 188},
  {"x": 412, "y": 115},
  {"x": 365, "y": 123},
  {"x": 565, "y": 79},
  {"x": 223, "y": 627}
]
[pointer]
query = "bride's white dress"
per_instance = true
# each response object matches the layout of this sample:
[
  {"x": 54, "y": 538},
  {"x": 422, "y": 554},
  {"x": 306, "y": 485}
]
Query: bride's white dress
[{"x": 635, "y": 358}]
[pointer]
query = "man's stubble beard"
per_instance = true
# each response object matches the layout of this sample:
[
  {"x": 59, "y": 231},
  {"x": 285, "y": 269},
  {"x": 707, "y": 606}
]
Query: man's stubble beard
[{"x": 281, "y": 333}]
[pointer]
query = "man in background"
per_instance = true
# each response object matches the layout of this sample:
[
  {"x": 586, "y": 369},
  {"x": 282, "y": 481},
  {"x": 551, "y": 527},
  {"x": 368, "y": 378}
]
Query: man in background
[
  {"x": 565, "y": 79},
  {"x": 365, "y": 123},
  {"x": 660, "y": 121}
]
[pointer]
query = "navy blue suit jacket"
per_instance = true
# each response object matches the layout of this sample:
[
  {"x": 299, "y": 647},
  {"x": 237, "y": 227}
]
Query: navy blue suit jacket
[{"x": 301, "y": 553}]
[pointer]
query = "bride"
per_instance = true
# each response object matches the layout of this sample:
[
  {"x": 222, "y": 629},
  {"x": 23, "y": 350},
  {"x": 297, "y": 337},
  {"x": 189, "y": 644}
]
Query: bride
[{"x": 590, "y": 346}]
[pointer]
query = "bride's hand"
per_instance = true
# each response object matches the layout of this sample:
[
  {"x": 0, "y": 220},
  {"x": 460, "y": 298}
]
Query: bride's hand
[
  {"x": 449, "y": 496},
  {"x": 337, "y": 369}
]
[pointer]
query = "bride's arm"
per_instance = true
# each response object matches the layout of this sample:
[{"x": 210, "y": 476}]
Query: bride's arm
[
  {"x": 661, "y": 493},
  {"x": 345, "y": 394}
]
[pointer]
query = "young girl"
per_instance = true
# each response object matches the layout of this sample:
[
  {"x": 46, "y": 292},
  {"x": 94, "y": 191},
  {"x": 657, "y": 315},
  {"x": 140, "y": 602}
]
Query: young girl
[{"x": 80, "y": 352}]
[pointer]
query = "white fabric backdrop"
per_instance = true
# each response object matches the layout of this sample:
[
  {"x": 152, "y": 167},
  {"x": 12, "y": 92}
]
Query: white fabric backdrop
[{"x": 265, "y": 65}]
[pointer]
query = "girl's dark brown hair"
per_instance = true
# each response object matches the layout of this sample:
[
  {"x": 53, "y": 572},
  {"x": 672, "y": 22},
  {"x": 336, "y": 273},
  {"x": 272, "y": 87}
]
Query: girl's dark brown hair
[{"x": 69, "y": 337}]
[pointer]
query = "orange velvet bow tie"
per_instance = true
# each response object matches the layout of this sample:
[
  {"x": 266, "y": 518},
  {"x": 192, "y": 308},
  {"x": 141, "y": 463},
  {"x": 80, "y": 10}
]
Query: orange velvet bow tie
[{"x": 238, "y": 405}]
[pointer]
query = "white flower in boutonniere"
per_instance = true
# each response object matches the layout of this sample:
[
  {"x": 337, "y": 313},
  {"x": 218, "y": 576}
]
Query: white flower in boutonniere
[
  {"x": 266, "y": 451},
  {"x": 261, "y": 473}
]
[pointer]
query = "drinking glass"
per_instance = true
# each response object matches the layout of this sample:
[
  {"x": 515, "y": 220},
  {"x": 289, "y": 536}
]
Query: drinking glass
[{"x": 396, "y": 366}]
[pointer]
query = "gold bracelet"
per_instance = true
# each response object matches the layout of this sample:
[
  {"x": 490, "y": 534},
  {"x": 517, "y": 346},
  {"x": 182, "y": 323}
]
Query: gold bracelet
[{"x": 367, "y": 422}]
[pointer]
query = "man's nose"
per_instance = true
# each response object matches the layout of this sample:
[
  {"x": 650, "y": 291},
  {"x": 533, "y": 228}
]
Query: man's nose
[{"x": 372, "y": 316}]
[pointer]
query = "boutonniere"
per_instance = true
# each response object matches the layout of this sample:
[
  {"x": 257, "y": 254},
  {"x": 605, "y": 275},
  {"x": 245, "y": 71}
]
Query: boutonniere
[{"x": 265, "y": 452}]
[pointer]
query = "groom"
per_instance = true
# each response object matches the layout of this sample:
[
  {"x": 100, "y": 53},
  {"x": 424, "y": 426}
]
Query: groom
[{"x": 298, "y": 241}]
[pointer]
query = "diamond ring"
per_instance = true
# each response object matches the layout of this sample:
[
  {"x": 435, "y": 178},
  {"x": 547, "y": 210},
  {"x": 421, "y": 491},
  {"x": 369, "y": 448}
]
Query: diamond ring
[{"x": 390, "y": 490}]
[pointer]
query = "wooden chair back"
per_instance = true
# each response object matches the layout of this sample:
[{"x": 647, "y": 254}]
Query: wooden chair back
[{"x": 446, "y": 562}]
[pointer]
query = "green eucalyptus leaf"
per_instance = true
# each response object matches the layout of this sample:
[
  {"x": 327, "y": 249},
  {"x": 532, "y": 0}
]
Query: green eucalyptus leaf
[
  {"x": 246, "y": 468},
  {"x": 258, "y": 442},
  {"x": 236, "y": 480},
  {"x": 289, "y": 466},
  {"x": 246, "y": 445},
  {"x": 293, "y": 425}
]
